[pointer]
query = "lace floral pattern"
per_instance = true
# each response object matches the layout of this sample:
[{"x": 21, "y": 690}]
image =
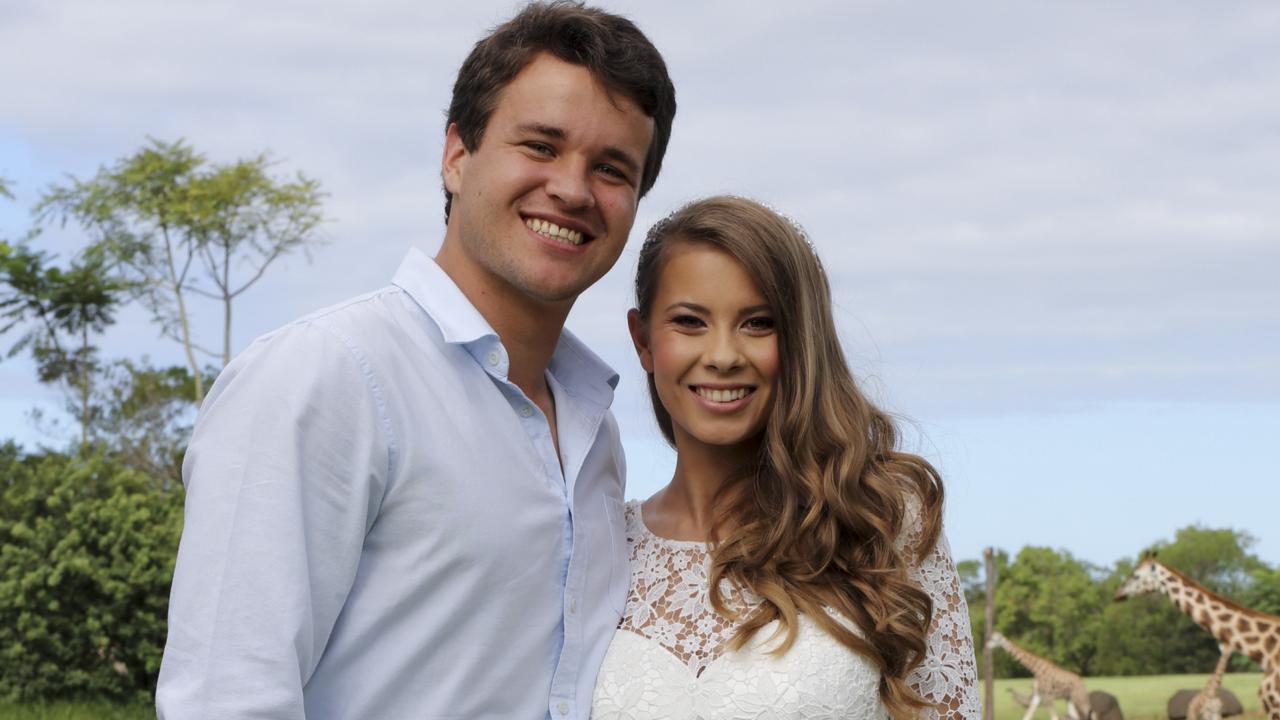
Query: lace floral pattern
[{"x": 669, "y": 657}]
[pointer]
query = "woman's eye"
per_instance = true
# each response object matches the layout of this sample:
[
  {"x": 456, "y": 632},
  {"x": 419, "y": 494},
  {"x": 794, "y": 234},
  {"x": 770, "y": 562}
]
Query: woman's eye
[
  {"x": 689, "y": 321},
  {"x": 760, "y": 323}
]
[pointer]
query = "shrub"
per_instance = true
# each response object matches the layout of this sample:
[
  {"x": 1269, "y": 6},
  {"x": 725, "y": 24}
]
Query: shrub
[{"x": 87, "y": 548}]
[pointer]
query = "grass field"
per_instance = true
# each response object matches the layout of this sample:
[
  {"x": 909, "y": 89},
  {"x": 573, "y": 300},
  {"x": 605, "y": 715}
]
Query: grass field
[
  {"x": 77, "y": 711},
  {"x": 1141, "y": 698}
]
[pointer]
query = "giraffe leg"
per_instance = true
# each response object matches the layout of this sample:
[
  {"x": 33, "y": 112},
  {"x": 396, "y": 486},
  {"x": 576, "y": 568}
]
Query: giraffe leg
[
  {"x": 1269, "y": 694},
  {"x": 1031, "y": 709}
]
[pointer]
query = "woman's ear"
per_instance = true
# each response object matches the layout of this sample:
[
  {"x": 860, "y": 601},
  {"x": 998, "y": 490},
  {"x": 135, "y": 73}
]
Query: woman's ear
[{"x": 640, "y": 338}]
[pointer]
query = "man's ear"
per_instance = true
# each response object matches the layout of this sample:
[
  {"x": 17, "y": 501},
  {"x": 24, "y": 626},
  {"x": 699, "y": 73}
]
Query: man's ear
[
  {"x": 640, "y": 338},
  {"x": 454, "y": 161}
]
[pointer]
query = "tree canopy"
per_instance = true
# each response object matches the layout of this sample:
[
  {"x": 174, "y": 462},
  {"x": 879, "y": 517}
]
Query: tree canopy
[{"x": 177, "y": 226}]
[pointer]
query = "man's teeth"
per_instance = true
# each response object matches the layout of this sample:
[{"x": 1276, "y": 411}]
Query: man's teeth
[
  {"x": 723, "y": 395},
  {"x": 554, "y": 231}
]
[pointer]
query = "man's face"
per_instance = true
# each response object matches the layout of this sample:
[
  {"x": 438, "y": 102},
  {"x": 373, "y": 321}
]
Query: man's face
[{"x": 544, "y": 205}]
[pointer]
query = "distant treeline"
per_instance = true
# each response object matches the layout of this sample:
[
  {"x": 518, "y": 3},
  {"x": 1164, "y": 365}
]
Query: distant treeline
[{"x": 1062, "y": 608}]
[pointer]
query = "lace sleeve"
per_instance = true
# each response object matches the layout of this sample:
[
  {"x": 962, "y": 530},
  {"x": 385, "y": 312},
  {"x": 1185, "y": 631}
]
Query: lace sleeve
[{"x": 948, "y": 677}]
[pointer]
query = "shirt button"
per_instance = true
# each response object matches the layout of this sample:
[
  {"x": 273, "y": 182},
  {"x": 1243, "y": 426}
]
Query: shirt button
[
  {"x": 494, "y": 358},
  {"x": 573, "y": 605},
  {"x": 526, "y": 411},
  {"x": 563, "y": 707}
]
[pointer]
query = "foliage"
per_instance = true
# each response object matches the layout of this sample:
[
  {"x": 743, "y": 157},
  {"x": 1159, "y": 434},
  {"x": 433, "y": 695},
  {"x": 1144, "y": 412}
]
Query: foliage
[
  {"x": 61, "y": 310},
  {"x": 1263, "y": 594},
  {"x": 177, "y": 226},
  {"x": 86, "y": 554},
  {"x": 143, "y": 416},
  {"x": 1048, "y": 602}
]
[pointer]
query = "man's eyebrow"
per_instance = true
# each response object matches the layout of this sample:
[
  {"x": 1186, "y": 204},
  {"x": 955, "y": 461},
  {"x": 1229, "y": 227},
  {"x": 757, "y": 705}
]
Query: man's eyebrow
[
  {"x": 550, "y": 131},
  {"x": 617, "y": 155},
  {"x": 622, "y": 158}
]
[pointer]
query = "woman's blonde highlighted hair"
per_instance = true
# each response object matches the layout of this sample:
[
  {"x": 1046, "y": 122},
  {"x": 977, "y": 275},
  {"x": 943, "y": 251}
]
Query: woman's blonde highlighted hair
[{"x": 815, "y": 522}]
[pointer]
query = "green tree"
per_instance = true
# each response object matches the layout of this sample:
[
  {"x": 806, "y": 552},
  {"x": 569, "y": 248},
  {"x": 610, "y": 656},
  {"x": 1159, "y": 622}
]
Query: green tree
[
  {"x": 60, "y": 312},
  {"x": 1050, "y": 603},
  {"x": 1263, "y": 593},
  {"x": 143, "y": 416},
  {"x": 178, "y": 226}
]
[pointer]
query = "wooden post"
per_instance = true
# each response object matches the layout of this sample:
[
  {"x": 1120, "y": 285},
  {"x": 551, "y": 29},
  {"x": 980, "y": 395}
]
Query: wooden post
[{"x": 989, "y": 681}]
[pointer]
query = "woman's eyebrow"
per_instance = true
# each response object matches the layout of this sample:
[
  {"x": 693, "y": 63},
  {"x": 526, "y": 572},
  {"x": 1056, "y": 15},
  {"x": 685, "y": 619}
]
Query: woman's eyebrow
[{"x": 688, "y": 305}]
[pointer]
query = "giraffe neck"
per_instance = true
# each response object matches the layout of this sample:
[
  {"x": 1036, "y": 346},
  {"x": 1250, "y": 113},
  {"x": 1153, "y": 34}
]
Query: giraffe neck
[
  {"x": 1215, "y": 682},
  {"x": 1036, "y": 664},
  {"x": 1232, "y": 625}
]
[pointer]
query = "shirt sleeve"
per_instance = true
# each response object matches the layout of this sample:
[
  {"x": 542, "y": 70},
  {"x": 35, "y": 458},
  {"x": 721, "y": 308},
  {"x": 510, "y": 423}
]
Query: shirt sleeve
[
  {"x": 283, "y": 476},
  {"x": 948, "y": 677}
]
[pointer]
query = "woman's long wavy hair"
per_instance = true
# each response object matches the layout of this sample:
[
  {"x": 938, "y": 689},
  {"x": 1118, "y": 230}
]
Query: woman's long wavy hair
[{"x": 815, "y": 522}]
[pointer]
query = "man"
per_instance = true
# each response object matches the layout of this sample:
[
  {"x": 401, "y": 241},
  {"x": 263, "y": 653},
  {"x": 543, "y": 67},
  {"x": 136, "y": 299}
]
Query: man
[{"x": 409, "y": 505}]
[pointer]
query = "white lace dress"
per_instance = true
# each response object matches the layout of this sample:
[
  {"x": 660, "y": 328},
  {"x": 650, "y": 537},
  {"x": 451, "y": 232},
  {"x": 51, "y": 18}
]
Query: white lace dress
[{"x": 668, "y": 658}]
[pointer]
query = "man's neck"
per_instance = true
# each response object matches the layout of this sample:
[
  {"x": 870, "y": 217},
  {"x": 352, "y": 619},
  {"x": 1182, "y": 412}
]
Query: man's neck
[{"x": 528, "y": 329}]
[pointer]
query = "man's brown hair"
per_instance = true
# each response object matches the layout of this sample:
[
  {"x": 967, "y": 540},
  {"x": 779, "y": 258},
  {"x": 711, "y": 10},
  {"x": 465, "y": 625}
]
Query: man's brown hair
[{"x": 611, "y": 47}]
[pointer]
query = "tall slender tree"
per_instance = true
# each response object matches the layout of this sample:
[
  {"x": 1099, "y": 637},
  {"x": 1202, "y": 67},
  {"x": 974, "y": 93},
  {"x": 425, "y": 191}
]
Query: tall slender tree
[{"x": 177, "y": 226}]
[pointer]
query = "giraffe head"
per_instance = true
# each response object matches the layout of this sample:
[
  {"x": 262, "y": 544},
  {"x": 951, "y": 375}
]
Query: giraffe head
[
  {"x": 1148, "y": 577},
  {"x": 996, "y": 640}
]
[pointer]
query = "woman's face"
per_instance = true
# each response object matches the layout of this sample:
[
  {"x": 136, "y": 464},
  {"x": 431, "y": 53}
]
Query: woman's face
[{"x": 711, "y": 345}]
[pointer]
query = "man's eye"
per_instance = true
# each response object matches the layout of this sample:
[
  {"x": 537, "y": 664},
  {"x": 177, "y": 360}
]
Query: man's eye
[
  {"x": 613, "y": 172},
  {"x": 540, "y": 148}
]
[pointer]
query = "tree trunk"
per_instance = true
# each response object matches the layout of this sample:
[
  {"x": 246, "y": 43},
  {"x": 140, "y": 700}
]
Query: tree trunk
[
  {"x": 226, "y": 304},
  {"x": 85, "y": 370},
  {"x": 175, "y": 284}
]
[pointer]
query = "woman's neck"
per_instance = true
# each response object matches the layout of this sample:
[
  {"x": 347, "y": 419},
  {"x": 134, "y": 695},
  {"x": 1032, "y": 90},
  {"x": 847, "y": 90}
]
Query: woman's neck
[{"x": 684, "y": 509}]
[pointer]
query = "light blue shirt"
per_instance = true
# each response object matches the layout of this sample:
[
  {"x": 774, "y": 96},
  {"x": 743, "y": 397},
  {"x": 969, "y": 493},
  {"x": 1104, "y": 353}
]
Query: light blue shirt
[{"x": 378, "y": 526}]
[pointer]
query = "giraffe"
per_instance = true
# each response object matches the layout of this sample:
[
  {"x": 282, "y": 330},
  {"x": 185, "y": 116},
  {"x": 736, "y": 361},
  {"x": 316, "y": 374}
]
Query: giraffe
[
  {"x": 1207, "y": 704},
  {"x": 1051, "y": 682},
  {"x": 1238, "y": 628}
]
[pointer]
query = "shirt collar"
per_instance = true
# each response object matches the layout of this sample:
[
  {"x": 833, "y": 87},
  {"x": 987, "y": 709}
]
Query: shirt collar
[{"x": 573, "y": 364}]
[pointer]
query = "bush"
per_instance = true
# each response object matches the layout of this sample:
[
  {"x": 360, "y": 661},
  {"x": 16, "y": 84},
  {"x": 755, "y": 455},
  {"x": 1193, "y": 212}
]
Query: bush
[{"x": 87, "y": 548}]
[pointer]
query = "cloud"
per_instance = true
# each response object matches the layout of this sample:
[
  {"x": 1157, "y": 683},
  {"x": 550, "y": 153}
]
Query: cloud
[{"x": 1021, "y": 207}]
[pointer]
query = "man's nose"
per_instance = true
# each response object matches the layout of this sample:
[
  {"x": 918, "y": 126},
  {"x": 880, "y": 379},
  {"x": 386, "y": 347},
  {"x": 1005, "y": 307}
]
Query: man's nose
[{"x": 570, "y": 183}]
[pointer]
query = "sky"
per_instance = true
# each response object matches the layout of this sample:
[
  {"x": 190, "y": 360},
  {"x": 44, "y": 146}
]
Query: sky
[{"x": 1052, "y": 229}]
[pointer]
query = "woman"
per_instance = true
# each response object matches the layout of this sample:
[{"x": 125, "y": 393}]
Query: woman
[{"x": 794, "y": 566}]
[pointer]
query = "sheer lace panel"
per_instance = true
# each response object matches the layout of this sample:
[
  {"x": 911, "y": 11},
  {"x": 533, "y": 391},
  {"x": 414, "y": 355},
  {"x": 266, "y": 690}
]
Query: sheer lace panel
[
  {"x": 948, "y": 677},
  {"x": 669, "y": 602}
]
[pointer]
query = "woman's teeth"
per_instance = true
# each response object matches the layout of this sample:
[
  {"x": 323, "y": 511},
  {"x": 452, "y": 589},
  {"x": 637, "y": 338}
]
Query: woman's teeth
[
  {"x": 723, "y": 396},
  {"x": 554, "y": 231}
]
